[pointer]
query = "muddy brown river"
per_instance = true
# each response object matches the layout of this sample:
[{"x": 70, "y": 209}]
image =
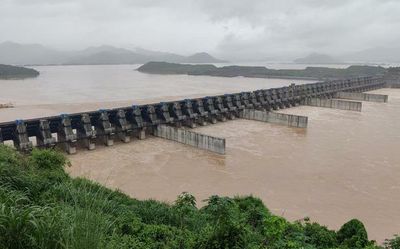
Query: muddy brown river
[{"x": 344, "y": 165}]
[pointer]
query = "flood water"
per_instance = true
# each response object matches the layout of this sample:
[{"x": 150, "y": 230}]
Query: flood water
[
  {"x": 82, "y": 84},
  {"x": 68, "y": 89},
  {"x": 344, "y": 165}
]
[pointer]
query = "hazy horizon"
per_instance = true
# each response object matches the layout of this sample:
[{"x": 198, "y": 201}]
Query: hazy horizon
[{"x": 231, "y": 29}]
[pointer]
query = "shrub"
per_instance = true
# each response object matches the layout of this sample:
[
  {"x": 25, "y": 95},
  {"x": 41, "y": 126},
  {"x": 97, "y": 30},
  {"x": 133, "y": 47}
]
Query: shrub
[
  {"x": 253, "y": 210},
  {"x": 162, "y": 236},
  {"x": 9, "y": 157},
  {"x": 47, "y": 159},
  {"x": 319, "y": 236},
  {"x": 123, "y": 242},
  {"x": 353, "y": 234},
  {"x": 393, "y": 243},
  {"x": 185, "y": 210},
  {"x": 227, "y": 227}
]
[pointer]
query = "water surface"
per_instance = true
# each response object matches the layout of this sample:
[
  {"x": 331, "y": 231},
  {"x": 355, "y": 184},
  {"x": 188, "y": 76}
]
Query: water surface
[{"x": 82, "y": 84}]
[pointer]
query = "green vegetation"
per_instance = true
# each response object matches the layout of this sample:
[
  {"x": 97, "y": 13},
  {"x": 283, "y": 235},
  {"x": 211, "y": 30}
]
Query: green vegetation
[
  {"x": 261, "y": 72},
  {"x": 393, "y": 243},
  {"x": 42, "y": 207},
  {"x": 13, "y": 72}
]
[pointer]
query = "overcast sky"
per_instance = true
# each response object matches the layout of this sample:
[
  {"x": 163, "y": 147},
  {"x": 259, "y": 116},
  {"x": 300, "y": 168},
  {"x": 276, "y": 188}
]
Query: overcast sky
[{"x": 229, "y": 28}]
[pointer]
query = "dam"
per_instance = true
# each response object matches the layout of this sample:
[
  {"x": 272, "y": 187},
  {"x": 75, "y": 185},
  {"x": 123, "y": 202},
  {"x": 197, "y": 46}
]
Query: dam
[{"x": 171, "y": 120}]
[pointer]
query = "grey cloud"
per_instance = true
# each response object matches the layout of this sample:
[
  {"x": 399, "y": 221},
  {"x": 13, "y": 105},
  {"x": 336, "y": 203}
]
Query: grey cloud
[
  {"x": 323, "y": 26},
  {"x": 230, "y": 28}
]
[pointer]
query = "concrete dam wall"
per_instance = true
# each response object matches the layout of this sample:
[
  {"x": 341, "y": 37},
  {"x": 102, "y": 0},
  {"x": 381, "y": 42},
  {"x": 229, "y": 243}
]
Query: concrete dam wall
[
  {"x": 276, "y": 118},
  {"x": 88, "y": 128},
  {"x": 363, "y": 96},
  {"x": 334, "y": 103},
  {"x": 191, "y": 138}
]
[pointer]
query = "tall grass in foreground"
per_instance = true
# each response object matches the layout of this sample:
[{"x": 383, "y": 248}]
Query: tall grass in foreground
[{"x": 42, "y": 207}]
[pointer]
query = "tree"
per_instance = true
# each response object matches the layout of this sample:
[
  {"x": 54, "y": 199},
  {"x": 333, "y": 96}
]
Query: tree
[{"x": 353, "y": 234}]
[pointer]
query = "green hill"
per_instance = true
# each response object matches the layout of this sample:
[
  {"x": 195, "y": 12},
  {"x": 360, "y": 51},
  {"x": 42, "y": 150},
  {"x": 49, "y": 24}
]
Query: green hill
[
  {"x": 13, "y": 72},
  {"x": 319, "y": 73}
]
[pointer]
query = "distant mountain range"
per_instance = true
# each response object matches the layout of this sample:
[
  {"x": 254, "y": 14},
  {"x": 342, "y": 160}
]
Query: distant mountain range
[
  {"x": 316, "y": 58},
  {"x": 374, "y": 55},
  {"x": 35, "y": 54},
  {"x": 378, "y": 55}
]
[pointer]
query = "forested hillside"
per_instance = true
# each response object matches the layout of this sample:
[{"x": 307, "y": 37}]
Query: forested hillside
[
  {"x": 13, "y": 72},
  {"x": 318, "y": 73}
]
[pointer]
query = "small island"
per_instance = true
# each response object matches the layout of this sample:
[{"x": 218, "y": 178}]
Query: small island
[
  {"x": 13, "y": 72},
  {"x": 311, "y": 73}
]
